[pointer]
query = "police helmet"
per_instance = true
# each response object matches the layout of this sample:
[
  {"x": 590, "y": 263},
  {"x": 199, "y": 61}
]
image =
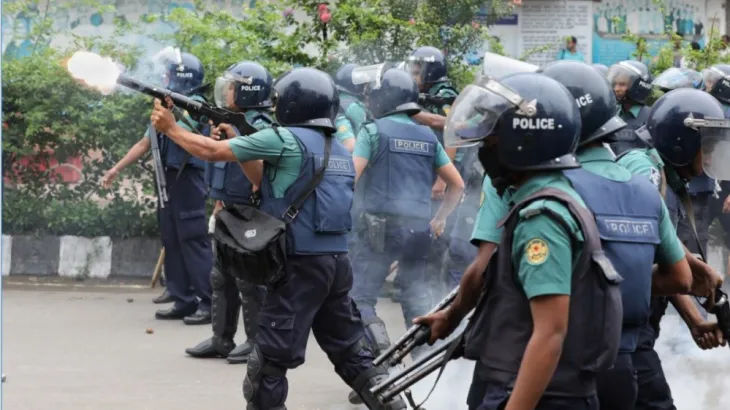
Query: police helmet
[
  {"x": 397, "y": 93},
  {"x": 244, "y": 85},
  {"x": 427, "y": 65},
  {"x": 686, "y": 121},
  {"x": 182, "y": 72},
  {"x": 306, "y": 97},
  {"x": 676, "y": 77},
  {"x": 344, "y": 81},
  {"x": 593, "y": 96},
  {"x": 534, "y": 117},
  {"x": 601, "y": 68},
  {"x": 717, "y": 81},
  {"x": 631, "y": 79}
]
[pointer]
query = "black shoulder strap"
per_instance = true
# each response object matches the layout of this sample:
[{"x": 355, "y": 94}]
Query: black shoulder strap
[{"x": 293, "y": 210}]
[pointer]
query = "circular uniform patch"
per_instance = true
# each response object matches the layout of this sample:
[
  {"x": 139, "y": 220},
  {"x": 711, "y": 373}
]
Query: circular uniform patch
[
  {"x": 537, "y": 251},
  {"x": 343, "y": 128}
]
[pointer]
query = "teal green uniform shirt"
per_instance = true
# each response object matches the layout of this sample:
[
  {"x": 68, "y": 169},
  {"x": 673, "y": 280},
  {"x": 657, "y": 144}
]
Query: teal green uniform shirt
[
  {"x": 344, "y": 128},
  {"x": 368, "y": 140},
  {"x": 543, "y": 248},
  {"x": 600, "y": 161},
  {"x": 280, "y": 152},
  {"x": 633, "y": 111},
  {"x": 441, "y": 89},
  {"x": 491, "y": 211},
  {"x": 349, "y": 122},
  {"x": 644, "y": 161}
]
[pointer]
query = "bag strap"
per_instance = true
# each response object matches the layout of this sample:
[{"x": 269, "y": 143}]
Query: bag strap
[
  {"x": 293, "y": 210},
  {"x": 687, "y": 203}
]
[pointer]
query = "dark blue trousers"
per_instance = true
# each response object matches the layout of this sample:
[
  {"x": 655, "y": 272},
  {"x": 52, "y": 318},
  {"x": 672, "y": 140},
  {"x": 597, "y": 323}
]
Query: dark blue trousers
[
  {"x": 188, "y": 253},
  {"x": 314, "y": 296},
  {"x": 654, "y": 392},
  {"x": 495, "y": 398},
  {"x": 410, "y": 247}
]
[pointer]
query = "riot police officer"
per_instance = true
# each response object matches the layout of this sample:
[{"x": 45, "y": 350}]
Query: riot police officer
[
  {"x": 244, "y": 87},
  {"x": 541, "y": 288},
  {"x": 397, "y": 161},
  {"x": 313, "y": 294},
  {"x": 427, "y": 66},
  {"x": 610, "y": 191},
  {"x": 631, "y": 83},
  {"x": 352, "y": 113},
  {"x": 678, "y": 142},
  {"x": 188, "y": 254}
]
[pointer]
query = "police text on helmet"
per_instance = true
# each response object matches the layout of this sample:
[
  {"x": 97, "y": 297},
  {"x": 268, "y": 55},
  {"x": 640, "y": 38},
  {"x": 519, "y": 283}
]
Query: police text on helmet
[
  {"x": 584, "y": 100},
  {"x": 533, "y": 123}
]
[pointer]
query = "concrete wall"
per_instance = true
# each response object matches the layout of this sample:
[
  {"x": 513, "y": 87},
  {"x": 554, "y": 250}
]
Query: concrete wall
[{"x": 79, "y": 257}]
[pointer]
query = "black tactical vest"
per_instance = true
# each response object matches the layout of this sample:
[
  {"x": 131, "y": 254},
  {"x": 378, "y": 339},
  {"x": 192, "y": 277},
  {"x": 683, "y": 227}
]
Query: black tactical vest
[{"x": 502, "y": 323}]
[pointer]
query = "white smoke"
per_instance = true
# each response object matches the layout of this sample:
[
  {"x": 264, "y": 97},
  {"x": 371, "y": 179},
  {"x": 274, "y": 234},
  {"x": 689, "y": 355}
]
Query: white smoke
[{"x": 698, "y": 378}]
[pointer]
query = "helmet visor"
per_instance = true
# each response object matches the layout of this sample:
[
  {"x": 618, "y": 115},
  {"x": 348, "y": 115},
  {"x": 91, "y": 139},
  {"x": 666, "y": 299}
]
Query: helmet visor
[
  {"x": 496, "y": 66},
  {"x": 477, "y": 110},
  {"x": 370, "y": 75},
  {"x": 716, "y": 148},
  {"x": 224, "y": 92},
  {"x": 675, "y": 77}
]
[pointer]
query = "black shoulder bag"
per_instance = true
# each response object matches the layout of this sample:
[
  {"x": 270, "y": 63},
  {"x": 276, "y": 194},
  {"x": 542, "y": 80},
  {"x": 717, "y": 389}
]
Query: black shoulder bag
[{"x": 252, "y": 243}]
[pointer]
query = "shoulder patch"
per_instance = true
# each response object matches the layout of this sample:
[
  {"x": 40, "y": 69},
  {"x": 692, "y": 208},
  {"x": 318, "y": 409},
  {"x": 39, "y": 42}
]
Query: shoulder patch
[
  {"x": 655, "y": 177},
  {"x": 536, "y": 251}
]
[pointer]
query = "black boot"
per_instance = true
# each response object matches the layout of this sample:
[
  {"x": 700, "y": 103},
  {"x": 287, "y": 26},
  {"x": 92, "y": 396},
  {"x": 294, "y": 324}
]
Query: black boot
[
  {"x": 211, "y": 347},
  {"x": 252, "y": 298},
  {"x": 240, "y": 353},
  {"x": 225, "y": 304}
]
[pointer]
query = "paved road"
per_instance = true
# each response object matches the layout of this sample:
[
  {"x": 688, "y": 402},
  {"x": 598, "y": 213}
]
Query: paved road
[{"x": 81, "y": 345}]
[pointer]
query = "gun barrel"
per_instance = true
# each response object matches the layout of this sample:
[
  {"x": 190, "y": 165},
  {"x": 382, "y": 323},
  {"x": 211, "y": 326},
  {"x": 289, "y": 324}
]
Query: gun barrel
[
  {"x": 406, "y": 342},
  {"x": 159, "y": 92}
]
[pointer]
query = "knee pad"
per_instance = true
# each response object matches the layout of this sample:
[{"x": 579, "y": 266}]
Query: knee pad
[
  {"x": 217, "y": 280},
  {"x": 377, "y": 334},
  {"x": 257, "y": 368}
]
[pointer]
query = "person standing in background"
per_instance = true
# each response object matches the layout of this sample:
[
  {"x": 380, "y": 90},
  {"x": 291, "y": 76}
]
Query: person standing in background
[{"x": 570, "y": 52}]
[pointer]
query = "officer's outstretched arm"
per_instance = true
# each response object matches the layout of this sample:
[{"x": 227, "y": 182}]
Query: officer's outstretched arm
[
  {"x": 134, "y": 153},
  {"x": 550, "y": 325},
  {"x": 454, "y": 189},
  {"x": 431, "y": 120},
  {"x": 672, "y": 279},
  {"x": 706, "y": 334},
  {"x": 197, "y": 145},
  {"x": 705, "y": 279}
]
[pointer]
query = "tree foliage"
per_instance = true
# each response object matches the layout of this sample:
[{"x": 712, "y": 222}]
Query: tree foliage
[{"x": 50, "y": 119}]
